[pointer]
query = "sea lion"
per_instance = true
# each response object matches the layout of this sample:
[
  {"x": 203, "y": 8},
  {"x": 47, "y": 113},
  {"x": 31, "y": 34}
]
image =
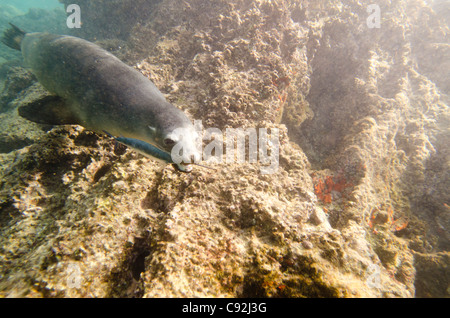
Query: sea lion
[{"x": 96, "y": 90}]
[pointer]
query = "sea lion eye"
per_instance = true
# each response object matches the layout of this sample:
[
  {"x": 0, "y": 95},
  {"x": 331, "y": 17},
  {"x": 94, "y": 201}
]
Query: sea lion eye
[{"x": 169, "y": 142}]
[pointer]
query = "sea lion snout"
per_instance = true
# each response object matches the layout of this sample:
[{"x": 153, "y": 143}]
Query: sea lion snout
[{"x": 185, "y": 149}]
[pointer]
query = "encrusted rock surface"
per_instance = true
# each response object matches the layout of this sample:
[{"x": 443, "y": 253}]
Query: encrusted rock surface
[{"x": 357, "y": 208}]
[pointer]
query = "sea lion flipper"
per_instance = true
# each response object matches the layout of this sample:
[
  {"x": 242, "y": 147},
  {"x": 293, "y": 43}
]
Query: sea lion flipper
[{"x": 50, "y": 110}]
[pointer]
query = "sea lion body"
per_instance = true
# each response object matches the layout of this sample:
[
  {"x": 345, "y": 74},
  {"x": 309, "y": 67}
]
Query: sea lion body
[{"x": 102, "y": 93}]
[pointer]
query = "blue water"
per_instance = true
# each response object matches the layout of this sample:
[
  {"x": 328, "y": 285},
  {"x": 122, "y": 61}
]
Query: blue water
[
  {"x": 24, "y": 5},
  {"x": 32, "y": 16}
]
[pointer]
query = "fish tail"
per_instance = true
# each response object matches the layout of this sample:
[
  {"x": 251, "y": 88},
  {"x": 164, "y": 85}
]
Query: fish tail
[
  {"x": 13, "y": 37},
  {"x": 107, "y": 133}
]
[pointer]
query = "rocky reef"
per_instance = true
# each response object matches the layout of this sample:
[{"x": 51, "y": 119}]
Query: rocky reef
[{"x": 359, "y": 206}]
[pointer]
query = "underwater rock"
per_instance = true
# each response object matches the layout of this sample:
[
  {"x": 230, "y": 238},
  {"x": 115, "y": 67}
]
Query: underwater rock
[
  {"x": 17, "y": 80},
  {"x": 15, "y": 131},
  {"x": 240, "y": 70},
  {"x": 430, "y": 267},
  {"x": 318, "y": 216},
  {"x": 78, "y": 219}
]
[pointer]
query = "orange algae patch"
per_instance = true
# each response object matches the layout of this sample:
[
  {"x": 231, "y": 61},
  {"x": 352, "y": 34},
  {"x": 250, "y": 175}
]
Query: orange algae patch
[
  {"x": 372, "y": 217},
  {"x": 319, "y": 188},
  {"x": 323, "y": 188},
  {"x": 395, "y": 225},
  {"x": 281, "y": 83},
  {"x": 399, "y": 224}
]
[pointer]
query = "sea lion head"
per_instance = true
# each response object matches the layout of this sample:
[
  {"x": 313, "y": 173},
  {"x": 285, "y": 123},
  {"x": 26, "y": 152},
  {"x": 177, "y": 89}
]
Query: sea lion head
[
  {"x": 182, "y": 144},
  {"x": 176, "y": 135}
]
